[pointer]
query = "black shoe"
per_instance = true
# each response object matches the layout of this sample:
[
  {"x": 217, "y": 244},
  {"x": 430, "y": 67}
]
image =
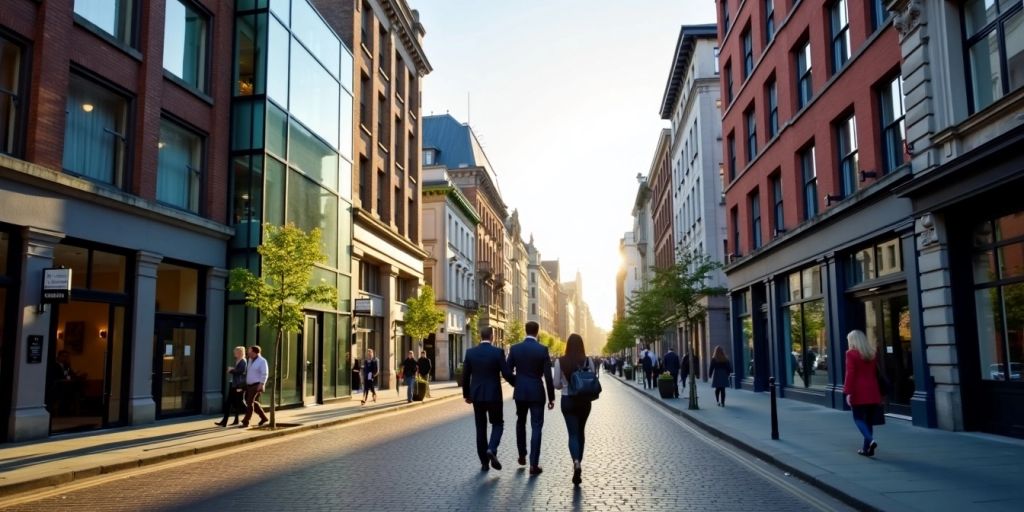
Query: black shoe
[
  {"x": 871, "y": 449},
  {"x": 536, "y": 470},
  {"x": 221, "y": 423},
  {"x": 522, "y": 460},
  {"x": 244, "y": 425},
  {"x": 235, "y": 423},
  {"x": 494, "y": 460},
  {"x": 262, "y": 422},
  {"x": 485, "y": 467},
  {"x": 576, "y": 472}
]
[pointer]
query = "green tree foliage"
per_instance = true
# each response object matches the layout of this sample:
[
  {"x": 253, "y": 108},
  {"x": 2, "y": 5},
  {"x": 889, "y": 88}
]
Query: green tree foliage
[
  {"x": 554, "y": 344},
  {"x": 515, "y": 332},
  {"x": 648, "y": 314},
  {"x": 423, "y": 316},
  {"x": 288, "y": 255},
  {"x": 619, "y": 338},
  {"x": 473, "y": 327}
]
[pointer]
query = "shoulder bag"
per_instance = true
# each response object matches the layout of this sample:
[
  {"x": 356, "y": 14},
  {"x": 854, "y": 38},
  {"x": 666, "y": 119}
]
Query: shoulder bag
[{"x": 584, "y": 383}]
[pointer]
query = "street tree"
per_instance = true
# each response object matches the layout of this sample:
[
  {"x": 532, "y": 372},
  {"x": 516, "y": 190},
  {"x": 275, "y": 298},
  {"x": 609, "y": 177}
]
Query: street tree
[
  {"x": 283, "y": 289},
  {"x": 423, "y": 317},
  {"x": 555, "y": 345},
  {"x": 619, "y": 338},
  {"x": 648, "y": 314},
  {"x": 516, "y": 332},
  {"x": 473, "y": 327}
]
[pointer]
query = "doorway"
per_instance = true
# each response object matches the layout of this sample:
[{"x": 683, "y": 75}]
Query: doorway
[
  {"x": 887, "y": 325},
  {"x": 86, "y": 377},
  {"x": 177, "y": 346},
  {"x": 309, "y": 341}
]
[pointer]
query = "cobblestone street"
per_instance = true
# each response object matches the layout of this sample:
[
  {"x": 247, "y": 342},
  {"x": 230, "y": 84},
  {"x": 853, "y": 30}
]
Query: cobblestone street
[{"x": 637, "y": 458}]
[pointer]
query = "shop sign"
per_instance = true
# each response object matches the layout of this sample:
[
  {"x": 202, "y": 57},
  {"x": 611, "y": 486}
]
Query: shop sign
[
  {"x": 56, "y": 285},
  {"x": 363, "y": 307}
]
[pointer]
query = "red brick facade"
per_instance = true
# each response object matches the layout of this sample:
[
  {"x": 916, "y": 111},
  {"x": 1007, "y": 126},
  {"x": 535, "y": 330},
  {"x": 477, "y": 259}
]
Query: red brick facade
[{"x": 660, "y": 180}]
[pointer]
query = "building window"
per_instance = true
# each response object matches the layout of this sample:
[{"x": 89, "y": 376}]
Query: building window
[
  {"x": 114, "y": 17},
  {"x": 369, "y": 277},
  {"x": 994, "y": 49},
  {"x": 769, "y": 21},
  {"x": 95, "y": 145},
  {"x": 804, "y": 89},
  {"x": 728, "y": 83},
  {"x": 734, "y": 216},
  {"x": 840, "y": 24},
  {"x": 755, "y": 219},
  {"x": 772, "y": 100},
  {"x": 810, "y": 180},
  {"x": 846, "y": 135},
  {"x": 731, "y": 149},
  {"x": 751, "y": 135},
  {"x": 428, "y": 157},
  {"x": 11, "y": 100},
  {"x": 805, "y": 333},
  {"x": 179, "y": 166},
  {"x": 874, "y": 262},
  {"x": 725, "y": 17},
  {"x": 748, "y": 53},
  {"x": 999, "y": 296},
  {"x": 185, "y": 43},
  {"x": 878, "y": 15},
  {"x": 778, "y": 220},
  {"x": 893, "y": 132},
  {"x": 716, "y": 59}
]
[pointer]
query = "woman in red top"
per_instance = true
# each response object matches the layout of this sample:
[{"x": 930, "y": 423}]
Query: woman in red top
[{"x": 861, "y": 388}]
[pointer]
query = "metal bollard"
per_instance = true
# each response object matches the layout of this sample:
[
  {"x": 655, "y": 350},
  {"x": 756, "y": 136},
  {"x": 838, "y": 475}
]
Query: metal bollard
[{"x": 775, "y": 409}]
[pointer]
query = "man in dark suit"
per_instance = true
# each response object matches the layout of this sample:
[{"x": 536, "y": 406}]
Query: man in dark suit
[
  {"x": 531, "y": 362},
  {"x": 647, "y": 362},
  {"x": 481, "y": 386},
  {"x": 671, "y": 361}
]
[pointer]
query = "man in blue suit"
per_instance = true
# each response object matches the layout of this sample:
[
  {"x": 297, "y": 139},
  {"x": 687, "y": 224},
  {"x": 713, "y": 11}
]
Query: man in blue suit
[
  {"x": 531, "y": 362},
  {"x": 481, "y": 386},
  {"x": 671, "y": 361}
]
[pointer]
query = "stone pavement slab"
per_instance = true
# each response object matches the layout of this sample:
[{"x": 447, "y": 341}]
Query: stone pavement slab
[
  {"x": 71, "y": 457},
  {"x": 915, "y": 468}
]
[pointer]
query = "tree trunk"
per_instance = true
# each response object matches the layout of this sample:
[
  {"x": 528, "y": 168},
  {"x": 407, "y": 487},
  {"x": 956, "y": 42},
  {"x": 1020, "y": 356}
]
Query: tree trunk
[
  {"x": 275, "y": 390},
  {"x": 693, "y": 377}
]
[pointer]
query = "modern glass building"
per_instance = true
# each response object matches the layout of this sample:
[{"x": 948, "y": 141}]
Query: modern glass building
[{"x": 291, "y": 159}]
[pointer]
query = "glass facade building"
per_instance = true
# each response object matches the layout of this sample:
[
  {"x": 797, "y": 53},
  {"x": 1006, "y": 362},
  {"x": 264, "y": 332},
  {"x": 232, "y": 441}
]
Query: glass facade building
[{"x": 291, "y": 158}]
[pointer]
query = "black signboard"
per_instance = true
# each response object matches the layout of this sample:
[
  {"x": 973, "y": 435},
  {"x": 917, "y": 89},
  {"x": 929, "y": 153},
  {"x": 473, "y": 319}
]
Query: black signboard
[{"x": 34, "y": 354}]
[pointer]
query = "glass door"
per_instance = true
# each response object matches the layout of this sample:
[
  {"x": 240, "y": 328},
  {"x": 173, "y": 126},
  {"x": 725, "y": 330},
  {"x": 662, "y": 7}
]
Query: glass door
[
  {"x": 887, "y": 325},
  {"x": 175, "y": 353},
  {"x": 309, "y": 337}
]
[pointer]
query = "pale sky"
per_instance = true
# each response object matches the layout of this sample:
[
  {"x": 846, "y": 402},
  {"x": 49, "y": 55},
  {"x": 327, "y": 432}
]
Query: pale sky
[{"x": 565, "y": 98}]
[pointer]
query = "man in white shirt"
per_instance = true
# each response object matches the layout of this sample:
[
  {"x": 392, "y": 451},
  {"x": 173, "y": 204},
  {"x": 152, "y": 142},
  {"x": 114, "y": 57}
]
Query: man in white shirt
[{"x": 255, "y": 379}]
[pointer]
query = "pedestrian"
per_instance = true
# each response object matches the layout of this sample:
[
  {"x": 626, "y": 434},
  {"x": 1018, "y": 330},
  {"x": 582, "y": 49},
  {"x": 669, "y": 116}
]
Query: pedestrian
[
  {"x": 409, "y": 368},
  {"x": 671, "y": 361},
  {"x": 236, "y": 388},
  {"x": 482, "y": 370},
  {"x": 861, "y": 389},
  {"x": 531, "y": 363},
  {"x": 647, "y": 362},
  {"x": 256, "y": 374},
  {"x": 355, "y": 375},
  {"x": 425, "y": 367},
  {"x": 370, "y": 367},
  {"x": 684, "y": 369},
  {"x": 575, "y": 408},
  {"x": 719, "y": 371}
]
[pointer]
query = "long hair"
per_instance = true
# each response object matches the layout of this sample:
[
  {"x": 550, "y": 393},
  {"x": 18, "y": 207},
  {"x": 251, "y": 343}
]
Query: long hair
[
  {"x": 720, "y": 355},
  {"x": 859, "y": 342},
  {"x": 575, "y": 355}
]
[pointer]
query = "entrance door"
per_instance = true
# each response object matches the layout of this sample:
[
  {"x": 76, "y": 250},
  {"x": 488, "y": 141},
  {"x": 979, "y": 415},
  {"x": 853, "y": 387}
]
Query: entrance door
[
  {"x": 887, "y": 324},
  {"x": 310, "y": 336},
  {"x": 86, "y": 377},
  {"x": 175, "y": 368}
]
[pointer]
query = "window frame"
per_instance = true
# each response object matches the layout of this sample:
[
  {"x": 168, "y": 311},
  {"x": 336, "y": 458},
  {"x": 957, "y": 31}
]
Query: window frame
[
  {"x": 778, "y": 211},
  {"x": 206, "y": 66},
  {"x": 747, "y": 40},
  {"x": 809, "y": 181},
  {"x": 122, "y": 177},
  {"x": 892, "y": 150},
  {"x": 879, "y": 15},
  {"x": 728, "y": 83},
  {"x": 804, "y": 79},
  {"x": 840, "y": 43},
  {"x": 731, "y": 155},
  {"x": 734, "y": 215},
  {"x": 725, "y": 18},
  {"x": 772, "y": 101},
  {"x": 198, "y": 175},
  {"x": 755, "y": 219},
  {"x": 750, "y": 123},
  {"x": 19, "y": 98},
  {"x": 769, "y": 21},
  {"x": 129, "y": 40},
  {"x": 981, "y": 34},
  {"x": 848, "y": 156}
]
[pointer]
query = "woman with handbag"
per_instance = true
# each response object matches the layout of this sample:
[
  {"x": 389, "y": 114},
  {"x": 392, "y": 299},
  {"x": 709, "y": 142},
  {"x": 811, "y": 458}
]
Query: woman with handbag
[
  {"x": 370, "y": 368},
  {"x": 575, "y": 406},
  {"x": 861, "y": 389}
]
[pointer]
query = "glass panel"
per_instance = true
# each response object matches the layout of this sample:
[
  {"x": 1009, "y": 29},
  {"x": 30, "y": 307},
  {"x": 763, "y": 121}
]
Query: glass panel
[
  {"x": 1010, "y": 226},
  {"x": 986, "y": 76},
  {"x": 344, "y": 359},
  {"x": 178, "y": 166},
  {"x": 5, "y": 242},
  {"x": 345, "y": 139},
  {"x": 347, "y": 73},
  {"x": 793, "y": 328},
  {"x": 275, "y": 192},
  {"x": 75, "y": 258},
  {"x": 250, "y": 40},
  {"x": 890, "y": 260},
  {"x": 816, "y": 361},
  {"x": 328, "y": 381},
  {"x": 794, "y": 286},
  {"x": 313, "y": 157},
  {"x": 177, "y": 289},
  {"x": 94, "y": 136},
  {"x": 309, "y": 334},
  {"x": 246, "y": 5},
  {"x": 1011, "y": 261},
  {"x": 277, "y": 131},
  {"x": 112, "y": 16},
  {"x": 345, "y": 238},
  {"x": 1013, "y": 30},
  {"x": 317, "y": 95},
  {"x": 747, "y": 324},
  {"x": 985, "y": 267},
  {"x": 281, "y": 8},
  {"x": 82, "y": 388},
  {"x": 236, "y": 329},
  {"x": 247, "y": 125},
  {"x": 246, "y": 204},
  {"x": 991, "y": 347},
  {"x": 865, "y": 264},
  {"x": 978, "y": 13},
  {"x": 108, "y": 272},
  {"x": 309, "y": 28},
  {"x": 178, "y": 344},
  {"x": 277, "y": 63},
  {"x": 10, "y": 71},
  {"x": 289, "y": 363},
  {"x": 1013, "y": 302},
  {"x": 311, "y": 206},
  {"x": 811, "y": 282},
  {"x": 116, "y": 334},
  {"x": 344, "y": 292},
  {"x": 185, "y": 43}
]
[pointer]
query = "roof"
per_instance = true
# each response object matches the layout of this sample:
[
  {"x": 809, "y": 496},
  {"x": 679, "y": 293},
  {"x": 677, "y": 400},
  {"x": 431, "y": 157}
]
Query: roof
[
  {"x": 456, "y": 144},
  {"x": 552, "y": 267},
  {"x": 685, "y": 45}
]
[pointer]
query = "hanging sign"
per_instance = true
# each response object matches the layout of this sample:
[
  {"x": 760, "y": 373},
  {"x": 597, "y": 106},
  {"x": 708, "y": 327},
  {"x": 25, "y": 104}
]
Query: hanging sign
[
  {"x": 56, "y": 285},
  {"x": 363, "y": 307}
]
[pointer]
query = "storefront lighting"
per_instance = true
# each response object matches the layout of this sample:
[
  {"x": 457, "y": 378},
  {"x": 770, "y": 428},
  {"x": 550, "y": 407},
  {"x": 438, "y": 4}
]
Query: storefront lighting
[
  {"x": 103, "y": 334},
  {"x": 87, "y": 107}
]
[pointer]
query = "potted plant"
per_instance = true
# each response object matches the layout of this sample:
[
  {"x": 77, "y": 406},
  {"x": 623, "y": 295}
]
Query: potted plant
[
  {"x": 421, "y": 390},
  {"x": 458, "y": 374},
  {"x": 666, "y": 385},
  {"x": 628, "y": 371}
]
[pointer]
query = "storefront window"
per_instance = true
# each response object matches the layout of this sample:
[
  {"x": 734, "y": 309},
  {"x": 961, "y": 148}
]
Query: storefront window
[
  {"x": 747, "y": 330},
  {"x": 92, "y": 269},
  {"x": 804, "y": 329},
  {"x": 874, "y": 262},
  {"x": 999, "y": 297},
  {"x": 177, "y": 289}
]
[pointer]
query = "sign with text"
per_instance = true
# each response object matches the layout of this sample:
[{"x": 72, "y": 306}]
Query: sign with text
[
  {"x": 363, "y": 307},
  {"x": 34, "y": 354},
  {"x": 56, "y": 285}
]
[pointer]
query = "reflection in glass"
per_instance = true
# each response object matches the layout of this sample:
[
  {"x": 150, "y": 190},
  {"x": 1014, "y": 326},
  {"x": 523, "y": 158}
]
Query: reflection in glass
[
  {"x": 275, "y": 192},
  {"x": 811, "y": 281},
  {"x": 108, "y": 272},
  {"x": 74, "y": 258},
  {"x": 747, "y": 324},
  {"x": 990, "y": 340},
  {"x": 1014, "y": 29},
  {"x": 281, "y": 8},
  {"x": 94, "y": 136},
  {"x": 793, "y": 326},
  {"x": 248, "y": 180},
  {"x": 1011, "y": 261},
  {"x": 984, "y": 267},
  {"x": 112, "y": 16},
  {"x": 313, "y": 157},
  {"x": 1013, "y": 304},
  {"x": 247, "y": 125},
  {"x": 986, "y": 77},
  {"x": 816, "y": 356},
  {"x": 794, "y": 286},
  {"x": 185, "y": 43},
  {"x": 250, "y": 39},
  {"x": 311, "y": 206},
  {"x": 315, "y": 96},
  {"x": 309, "y": 28},
  {"x": 277, "y": 63},
  {"x": 890, "y": 260},
  {"x": 277, "y": 131},
  {"x": 1009, "y": 227}
]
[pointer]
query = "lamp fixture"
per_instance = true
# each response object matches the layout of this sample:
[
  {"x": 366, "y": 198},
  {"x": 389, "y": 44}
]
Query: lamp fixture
[
  {"x": 103, "y": 334},
  {"x": 87, "y": 107},
  {"x": 829, "y": 199},
  {"x": 864, "y": 175}
]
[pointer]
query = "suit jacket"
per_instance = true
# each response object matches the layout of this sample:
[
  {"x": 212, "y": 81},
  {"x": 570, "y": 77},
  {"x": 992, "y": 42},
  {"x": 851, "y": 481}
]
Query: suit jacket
[
  {"x": 531, "y": 362},
  {"x": 671, "y": 362},
  {"x": 238, "y": 373},
  {"x": 482, "y": 371},
  {"x": 424, "y": 366},
  {"x": 647, "y": 360}
]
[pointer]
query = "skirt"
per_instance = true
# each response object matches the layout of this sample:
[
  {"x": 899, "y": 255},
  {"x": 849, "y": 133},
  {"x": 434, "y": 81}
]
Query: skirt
[{"x": 872, "y": 414}]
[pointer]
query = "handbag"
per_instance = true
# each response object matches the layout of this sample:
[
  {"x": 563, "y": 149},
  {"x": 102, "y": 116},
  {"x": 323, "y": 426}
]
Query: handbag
[{"x": 584, "y": 383}]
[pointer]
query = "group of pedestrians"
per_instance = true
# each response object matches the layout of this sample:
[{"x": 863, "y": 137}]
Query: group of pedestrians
[
  {"x": 412, "y": 368},
  {"x": 248, "y": 380},
  {"x": 529, "y": 369}
]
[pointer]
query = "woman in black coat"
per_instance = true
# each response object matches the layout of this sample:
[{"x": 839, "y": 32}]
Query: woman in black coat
[
  {"x": 719, "y": 371},
  {"x": 370, "y": 368}
]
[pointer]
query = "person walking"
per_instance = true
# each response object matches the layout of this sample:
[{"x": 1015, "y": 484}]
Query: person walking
[
  {"x": 482, "y": 371},
  {"x": 719, "y": 371},
  {"x": 409, "y": 369},
  {"x": 575, "y": 409},
  {"x": 531, "y": 363},
  {"x": 236, "y": 388},
  {"x": 370, "y": 367},
  {"x": 684, "y": 369},
  {"x": 671, "y": 361},
  {"x": 425, "y": 367},
  {"x": 647, "y": 362},
  {"x": 861, "y": 389},
  {"x": 256, "y": 374}
]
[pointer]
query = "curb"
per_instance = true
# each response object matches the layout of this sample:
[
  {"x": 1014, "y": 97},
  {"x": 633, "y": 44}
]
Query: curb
[
  {"x": 65, "y": 477},
  {"x": 719, "y": 433}
]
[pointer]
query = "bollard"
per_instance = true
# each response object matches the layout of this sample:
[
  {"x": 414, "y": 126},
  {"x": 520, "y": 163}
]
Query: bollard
[{"x": 775, "y": 409}]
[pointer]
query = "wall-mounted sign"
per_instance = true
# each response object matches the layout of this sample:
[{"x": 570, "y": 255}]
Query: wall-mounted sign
[
  {"x": 34, "y": 354},
  {"x": 56, "y": 285},
  {"x": 363, "y": 307}
]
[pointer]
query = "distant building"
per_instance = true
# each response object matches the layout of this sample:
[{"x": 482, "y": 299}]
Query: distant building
[
  {"x": 543, "y": 290},
  {"x": 518, "y": 270}
]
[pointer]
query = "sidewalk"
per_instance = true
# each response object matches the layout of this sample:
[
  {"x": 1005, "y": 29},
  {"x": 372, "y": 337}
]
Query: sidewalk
[
  {"x": 63, "y": 459},
  {"x": 915, "y": 468}
]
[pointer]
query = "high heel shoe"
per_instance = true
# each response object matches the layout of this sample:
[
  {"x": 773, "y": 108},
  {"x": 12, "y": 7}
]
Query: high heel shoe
[{"x": 362, "y": 402}]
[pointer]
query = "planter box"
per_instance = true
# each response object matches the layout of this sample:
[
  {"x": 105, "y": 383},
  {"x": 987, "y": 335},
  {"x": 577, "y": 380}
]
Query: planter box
[
  {"x": 628, "y": 372},
  {"x": 666, "y": 388},
  {"x": 420, "y": 390}
]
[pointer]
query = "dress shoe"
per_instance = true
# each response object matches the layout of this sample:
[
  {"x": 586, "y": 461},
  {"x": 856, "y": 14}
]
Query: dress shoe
[
  {"x": 577, "y": 479},
  {"x": 494, "y": 460},
  {"x": 262, "y": 422},
  {"x": 485, "y": 467},
  {"x": 221, "y": 423},
  {"x": 244, "y": 425},
  {"x": 536, "y": 470},
  {"x": 235, "y": 423},
  {"x": 522, "y": 460},
  {"x": 871, "y": 449}
]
